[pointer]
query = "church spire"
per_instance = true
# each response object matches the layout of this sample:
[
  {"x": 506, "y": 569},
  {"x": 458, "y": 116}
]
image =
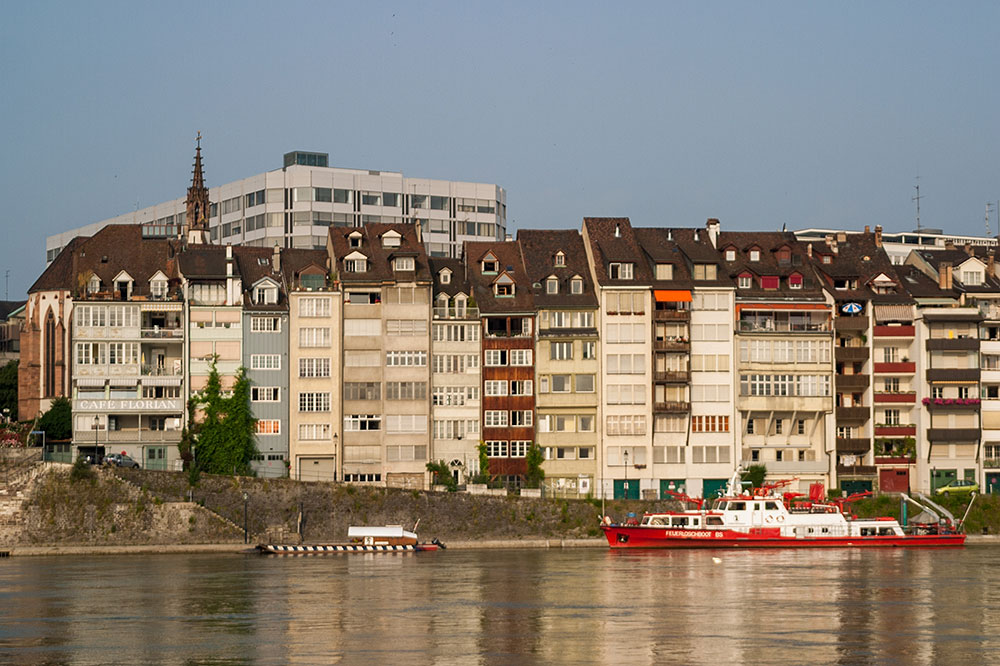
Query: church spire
[{"x": 197, "y": 202}]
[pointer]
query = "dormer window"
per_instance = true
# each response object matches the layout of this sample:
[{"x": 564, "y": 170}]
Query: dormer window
[
  {"x": 755, "y": 255},
  {"x": 827, "y": 259},
  {"x": 664, "y": 271},
  {"x": 744, "y": 281},
  {"x": 354, "y": 240},
  {"x": 560, "y": 259},
  {"x": 620, "y": 271},
  {"x": 705, "y": 271},
  {"x": 460, "y": 302},
  {"x": 576, "y": 285},
  {"x": 265, "y": 294},
  {"x": 784, "y": 255},
  {"x": 391, "y": 239},
  {"x": 403, "y": 263},
  {"x": 355, "y": 265},
  {"x": 158, "y": 285},
  {"x": 93, "y": 284},
  {"x": 490, "y": 263},
  {"x": 973, "y": 278},
  {"x": 123, "y": 286},
  {"x": 504, "y": 286},
  {"x": 730, "y": 254},
  {"x": 552, "y": 286},
  {"x": 769, "y": 282},
  {"x": 445, "y": 276},
  {"x": 794, "y": 281}
]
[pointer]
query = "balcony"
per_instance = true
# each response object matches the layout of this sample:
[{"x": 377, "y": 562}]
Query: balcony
[
  {"x": 173, "y": 370},
  {"x": 127, "y": 436},
  {"x": 991, "y": 463},
  {"x": 672, "y": 376},
  {"x": 672, "y": 407},
  {"x": 852, "y": 382},
  {"x": 672, "y": 344},
  {"x": 953, "y": 374},
  {"x": 895, "y": 430},
  {"x": 856, "y": 470},
  {"x": 894, "y": 460},
  {"x": 157, "y": 333},
  {"x": 953, "y": 344},
  {"x": 953, "y": 404},
  {"x": 851, "y": 323},
  {"x": 946, "y": 435},
  {"x": 853, "y": 413},
  {"x": 901, "y": 397},
  {"x": 890, "y": 331},
  {"x": 855, "y": 445},
  {"x": 851, "y": 354},
  {"x": 671, "y": 315},
  {"x": 456, "y": 313},
  {"x": 895, "y": 368},
  {"x": 770, "y": 326}
]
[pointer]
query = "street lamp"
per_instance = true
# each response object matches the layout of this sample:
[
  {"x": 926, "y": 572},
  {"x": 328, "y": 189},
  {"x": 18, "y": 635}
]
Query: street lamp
[
  {"x": 246, "y": 535},
  {"x": 97, "y": 432},
  {"x": 626, "y": 473}
]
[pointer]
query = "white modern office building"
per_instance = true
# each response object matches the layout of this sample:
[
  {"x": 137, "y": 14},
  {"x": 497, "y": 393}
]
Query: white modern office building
[{"x": 293, "y": 206}]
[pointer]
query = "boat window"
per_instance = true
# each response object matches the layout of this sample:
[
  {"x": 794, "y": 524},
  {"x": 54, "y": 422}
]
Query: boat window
[
  {"x": 886, "y": 531},
  {"x": 826, "y": 530},
  {"x": 868, "y": 531},
  {"x": 810, "y": 530},
  {"x": 771, "y": 506},
  {"x": 713, "y": 520},
  {"x": 737, "y": 506},
  {"x": 656, "y": 521},
  {"x": 695, "y": 522},
  {"x": 679, "y": 521}
]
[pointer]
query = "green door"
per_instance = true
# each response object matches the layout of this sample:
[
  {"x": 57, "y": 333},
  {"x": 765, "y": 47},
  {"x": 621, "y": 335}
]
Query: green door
[
  {"x": 626, "y": 488},
  {"x": 676, "y": 485},
  {"x": 851, "y": 486},
  {"x": 940, "y": 477},
  {"x": 712, "y": 488},
  {"x": 156, "y": 458}
]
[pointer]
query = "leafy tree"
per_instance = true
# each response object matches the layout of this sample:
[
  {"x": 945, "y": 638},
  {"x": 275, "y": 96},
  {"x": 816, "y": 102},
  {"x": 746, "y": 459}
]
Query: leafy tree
[
  {"x": 184, "y": 447},
  {"x": 483, "y": 476},
  {"x": 8, "y": 389},
  {"x": 442, "y": 475},
  {"x": 533, "y": 477},
  {"x": 755, "y": 475},
  {"x": 226, "y": 435},
  {"x": 57, "y": 422}
]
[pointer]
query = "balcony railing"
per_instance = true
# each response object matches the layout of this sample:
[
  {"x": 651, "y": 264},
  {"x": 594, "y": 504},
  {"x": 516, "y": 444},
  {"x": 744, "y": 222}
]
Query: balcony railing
[
  {"x": 900, "y": 397},
  {"x": 157, "y": 371},
  {"x": 852, "y": 382},
  {"x": 991, "y": 463},
  {"x": 672, "y": 344},
  {"x": 853, "y": 445},
  {"x": 953, "y": 344},
  {"x": 953, "y": 434},
  {"x": 671, "y": 315},
  {"x": 853, "y": 413},
  {"x": 851, "y": 353},
  {"x": 857, "y": 470},
  {"x": 896, "y": 367},
  {"x": 960, "y": 404},
  {"x": 456, "y": 313},
  {"x": 161, "y": 333},
  {"x": 884, "y": 430},
  {"x": 674, "y": 376},
  {"x": 672, "y": 407},
  {"x": 953, "y": 374},
  {"x": 851, "y": 323},
  {"x": 891, "y": 331},
  {"x": 126, "y": 435},
  {"x": 768, "y": 326}
]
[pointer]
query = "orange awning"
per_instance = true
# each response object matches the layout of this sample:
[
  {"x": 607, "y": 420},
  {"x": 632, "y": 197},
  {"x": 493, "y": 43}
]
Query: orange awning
[{"x": 672, "y": 296}]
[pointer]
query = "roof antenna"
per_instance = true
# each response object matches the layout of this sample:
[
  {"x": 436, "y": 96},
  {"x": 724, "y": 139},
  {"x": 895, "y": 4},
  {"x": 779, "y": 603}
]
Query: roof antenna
[
  {"x": 917, "y": 198},
  {"x": 989, "y": 206}
]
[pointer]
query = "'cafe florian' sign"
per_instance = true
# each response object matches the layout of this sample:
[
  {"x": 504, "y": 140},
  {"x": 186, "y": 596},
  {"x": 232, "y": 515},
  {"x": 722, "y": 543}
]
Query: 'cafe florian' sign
[{"x": 128, "y": 405}]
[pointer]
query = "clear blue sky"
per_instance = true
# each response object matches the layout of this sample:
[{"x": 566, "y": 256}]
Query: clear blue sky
[{"x": 760, "y": 114}]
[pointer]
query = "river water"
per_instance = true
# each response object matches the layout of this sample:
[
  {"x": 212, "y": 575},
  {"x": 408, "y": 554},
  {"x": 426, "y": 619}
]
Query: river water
[{"x": 502, "y": 607}]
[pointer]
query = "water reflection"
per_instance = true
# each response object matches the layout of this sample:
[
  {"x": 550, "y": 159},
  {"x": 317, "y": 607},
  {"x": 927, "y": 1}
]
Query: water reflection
[{"x": 492, "y": 607}]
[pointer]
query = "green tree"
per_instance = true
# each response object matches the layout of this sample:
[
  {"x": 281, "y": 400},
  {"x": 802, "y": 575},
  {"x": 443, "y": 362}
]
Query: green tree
[
  {"x": 226, "y": 436},
  {"x": 483, "y": 476},
  {"x": 8, "y": 389},
  {"x": 442, "y": 475},
  {"x": 535, "y": 474},
  {"x": 57, "y": 422},
  {"x": 755, "y": 474}
]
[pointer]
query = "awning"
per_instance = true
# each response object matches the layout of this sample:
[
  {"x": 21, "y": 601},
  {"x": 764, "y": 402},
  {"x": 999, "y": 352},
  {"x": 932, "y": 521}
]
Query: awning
[
  {"x": 893, "y": 313},
  {"x": 124, "y": 381},
  {"x": 89, "y": 381},
  {"x": 161, "y": 381},
  {"x": 672, "y": 295}
]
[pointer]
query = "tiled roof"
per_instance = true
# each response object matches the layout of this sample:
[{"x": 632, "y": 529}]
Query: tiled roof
[
  {"x": 857, "y": 257},
  {"x": 540, "y": 247},
  {"x": 458, "y": 283},
  {"x": 608, "y": 247},
  {"x": 769, "y": 243},
  {"x": 379, "y": 258},
  {"x": 508, "y": 254}
]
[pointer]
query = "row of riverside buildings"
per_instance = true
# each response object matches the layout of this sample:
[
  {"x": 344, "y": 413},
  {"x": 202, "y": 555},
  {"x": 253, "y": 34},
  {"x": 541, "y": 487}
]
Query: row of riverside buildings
[{"x": 640, "y": 360}]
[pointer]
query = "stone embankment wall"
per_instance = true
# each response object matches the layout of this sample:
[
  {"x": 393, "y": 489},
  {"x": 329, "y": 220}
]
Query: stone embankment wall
[{"x": 141, "y": 507}]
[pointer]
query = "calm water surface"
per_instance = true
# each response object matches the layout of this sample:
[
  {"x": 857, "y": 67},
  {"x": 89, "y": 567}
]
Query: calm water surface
[{"x": 499, "y": 607}]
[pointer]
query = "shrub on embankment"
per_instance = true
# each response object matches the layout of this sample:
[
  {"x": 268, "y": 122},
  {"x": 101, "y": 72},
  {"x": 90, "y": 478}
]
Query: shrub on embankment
[{"x": 985, "y": 512}]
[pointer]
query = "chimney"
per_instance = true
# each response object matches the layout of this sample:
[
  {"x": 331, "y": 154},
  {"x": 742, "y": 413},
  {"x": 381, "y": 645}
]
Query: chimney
[
  {"x": 832, "y": 242},
  {"x": 991, "y": 268},
  {"x": 809, "y": 250},
  {"x": 697, "y": 236},
  {"x": 968, "y": 250},
  {"x": 229, "y": 261},
  {"x": 944, "y": 275},
  {"x": 948, "y": 245},
  {"x": 868, "y": 230},
  {"x": 878, "y": 235},
  {"x": 276, "y": 259},
  {"x": 713, "y": 230}
]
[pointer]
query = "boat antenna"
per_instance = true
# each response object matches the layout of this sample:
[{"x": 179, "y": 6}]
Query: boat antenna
[{"x": 415, "y": 525}]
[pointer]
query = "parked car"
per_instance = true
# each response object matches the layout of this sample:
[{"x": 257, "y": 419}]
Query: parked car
[
  {"x": 120, "y": 460},
  {"x": 958, "y": 487}
]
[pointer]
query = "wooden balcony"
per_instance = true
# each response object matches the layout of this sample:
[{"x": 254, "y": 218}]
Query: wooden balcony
[
  {"x": 953, "y": 374},
  {"x": 851, "y": 323},
  {"x": 672, "y": 407},
  {"x": 672, "y": 376},
  {"x": 671, "y": 345},
  {"x": 905, "y": 397},
  {"x": 952, "y": 344},
  {"x": 671, "y": 315},
  {"x": 946, "y": 435},
  {"x": 856, "y": 445},
  {"x": 851, "y": 354},
  {"x": 856, "y": 470},
  {"x": 852, "y": 382},
  {"x": 853, "y": 413},
  {"x": 895, "y": 430}
]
